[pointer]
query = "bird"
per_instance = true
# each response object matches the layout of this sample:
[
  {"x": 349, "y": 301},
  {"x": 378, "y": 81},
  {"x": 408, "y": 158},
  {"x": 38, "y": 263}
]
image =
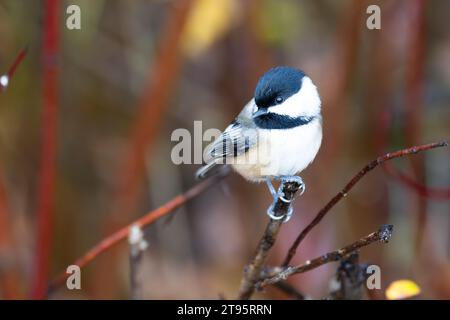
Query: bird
[{"x": 276, "y": 135}]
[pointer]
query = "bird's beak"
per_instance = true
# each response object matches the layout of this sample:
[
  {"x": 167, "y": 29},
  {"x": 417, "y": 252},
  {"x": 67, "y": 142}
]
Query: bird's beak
[{"x": 260, "y": 112}]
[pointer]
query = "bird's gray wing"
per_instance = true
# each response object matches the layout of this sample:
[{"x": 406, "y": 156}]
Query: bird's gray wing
[
  {"x": 236, "y": 140},
  {"x": 239, "y": 137}
]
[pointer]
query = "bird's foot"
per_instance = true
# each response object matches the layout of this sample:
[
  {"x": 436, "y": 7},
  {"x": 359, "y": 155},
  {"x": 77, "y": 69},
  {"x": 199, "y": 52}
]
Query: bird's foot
[
  {"x": 291, "y": 179},
  {"x": 280, "y": 195},
  {"x": 272, "y": 190}
]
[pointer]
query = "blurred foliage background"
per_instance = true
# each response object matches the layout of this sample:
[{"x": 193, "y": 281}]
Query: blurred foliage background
[{"x": 139, "y": 69}]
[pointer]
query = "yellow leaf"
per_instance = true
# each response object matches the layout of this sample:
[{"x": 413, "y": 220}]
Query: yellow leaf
[
  {"x": 207, "y": 21},
  {"x": 280, "y": 21},
  {"x": 402, "y": 289}
]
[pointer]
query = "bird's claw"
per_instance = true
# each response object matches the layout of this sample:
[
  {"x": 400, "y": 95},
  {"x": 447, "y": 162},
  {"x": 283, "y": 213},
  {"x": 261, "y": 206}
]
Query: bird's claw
[
  {"x": 280, "y": 195},
  {"x": 272, "y": 215},
  {"x": 296, "y": 179}
]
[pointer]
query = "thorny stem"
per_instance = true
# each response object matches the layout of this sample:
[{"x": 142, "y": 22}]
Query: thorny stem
[
  {"x": 369, "y": 167},
  {"x": 383, "y": 234}
]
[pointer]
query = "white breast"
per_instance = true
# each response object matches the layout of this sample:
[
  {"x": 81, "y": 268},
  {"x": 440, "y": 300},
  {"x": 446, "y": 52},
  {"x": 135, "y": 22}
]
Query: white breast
[{"x": 281, "y": 152}]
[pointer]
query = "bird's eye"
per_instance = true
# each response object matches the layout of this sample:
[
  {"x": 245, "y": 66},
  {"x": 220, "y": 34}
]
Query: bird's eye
[{"x": 279, "y": 100}]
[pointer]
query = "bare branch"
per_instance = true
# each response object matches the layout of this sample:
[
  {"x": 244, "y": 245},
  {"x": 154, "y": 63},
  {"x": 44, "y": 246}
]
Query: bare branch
[
  {"x": 253, "y": 271},
  {"x": 137, "y": 247},
  {"x": 369, "y": 167},
  {"x": 350, "y": 279},
  {"x": 278, "y": 274},
  {"x": 146, "y": 220},
  {"x": 290, "y": 290}
]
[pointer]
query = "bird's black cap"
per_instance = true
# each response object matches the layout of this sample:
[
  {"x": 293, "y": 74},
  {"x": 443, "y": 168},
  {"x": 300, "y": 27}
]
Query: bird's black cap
[{"x": 276, "y": 85}]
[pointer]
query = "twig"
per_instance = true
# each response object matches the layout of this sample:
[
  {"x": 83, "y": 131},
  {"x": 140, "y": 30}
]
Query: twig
[
  {"x": 290, "y": 290},
  {"x": 144, "y": 221},
  {"x": 253, "y": 271},
  {"x": 348, "y": 283},
  {"x": 137, "y": 247},
  {"x": 278, "y": 274},
  {"x": 369, "y": 167},
  {"x": 6, "y": 78},
  {"x": 46, "y": 188}
]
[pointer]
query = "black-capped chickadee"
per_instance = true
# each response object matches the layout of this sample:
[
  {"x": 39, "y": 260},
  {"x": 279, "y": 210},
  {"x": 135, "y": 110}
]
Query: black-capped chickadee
[{"x": 277, "y": 134}]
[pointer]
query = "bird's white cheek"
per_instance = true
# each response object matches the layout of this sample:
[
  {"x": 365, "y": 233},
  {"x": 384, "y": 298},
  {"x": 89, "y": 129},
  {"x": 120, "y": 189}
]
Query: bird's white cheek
[
  {"x": 306, "y": 102},
  {"x": 291, "y": 107}
]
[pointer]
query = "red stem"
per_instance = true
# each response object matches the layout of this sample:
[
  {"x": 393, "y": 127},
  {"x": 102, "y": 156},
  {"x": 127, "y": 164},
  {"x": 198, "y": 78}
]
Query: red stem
[
  {"x": 163, "y": 72},
  {"x": 108, "y": 242},
  {"x": 420, "y": 189},
  {"x": 413, "y": 108},
  {"x": 19, "y": 59},
  {"x": 152, "y": 106},
  {"x": 9, "y": 277},
  {"x": 343, "y": 193},
  {"x": 5, "y": 230},
  {"x": 46, "y": 188},
  {"x": 16, "y": 63},
  {"x": 383, "y": 124}
]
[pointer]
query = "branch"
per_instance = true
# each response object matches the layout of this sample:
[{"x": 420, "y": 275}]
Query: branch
[
  {"x": 137, "y": 245},
  {"x": 48, "y": 150},
  {"x": 278, "y": 274},
  {"x": 152, "y": 106},
  {"x": 348, "y": 283},
  {"x": 6, "y": 78},
  {"x": 369, "y": 167},
  {"x": 144, "y": 221},
  {"x": 290, "y": 290},
  {"x": 253, "y": 271}
]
